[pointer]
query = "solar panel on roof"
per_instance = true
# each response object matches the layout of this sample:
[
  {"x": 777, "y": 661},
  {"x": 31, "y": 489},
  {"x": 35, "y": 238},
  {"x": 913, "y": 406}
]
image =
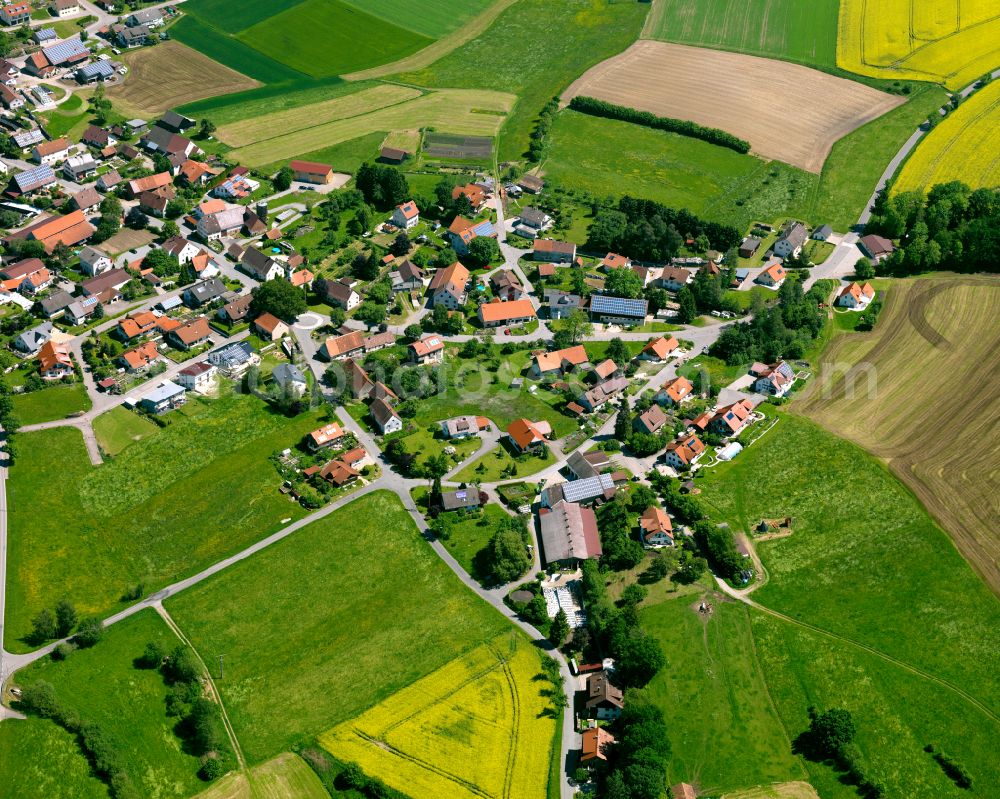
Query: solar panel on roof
[
  {"x": 603, "y": 303},
  {"x": 97, "y": 69},
  {"x": 65, "y": 50},
  {"x": 588, "y": 488}
]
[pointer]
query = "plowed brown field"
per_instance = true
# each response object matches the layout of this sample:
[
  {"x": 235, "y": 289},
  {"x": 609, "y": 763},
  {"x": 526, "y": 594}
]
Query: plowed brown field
[
  {"x": 922, "y": 391},
  {"x": 787, "y": 112}
]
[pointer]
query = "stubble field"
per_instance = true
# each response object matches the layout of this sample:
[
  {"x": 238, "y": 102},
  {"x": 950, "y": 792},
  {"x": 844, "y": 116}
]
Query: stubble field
[
  {"x": 170, "y": 75},
  {"x": 965, "y": 146},
  {"x": 787, "y": 112},
  {"x": 933, "y": 408},
  {"x": 944, "y": 41}
]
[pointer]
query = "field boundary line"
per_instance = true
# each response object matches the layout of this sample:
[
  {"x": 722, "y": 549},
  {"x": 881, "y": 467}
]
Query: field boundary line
[
  {"x": 436, "y": 50},
  {"x": 233, "y": 740},
  {"x": 653, "y": 19}
]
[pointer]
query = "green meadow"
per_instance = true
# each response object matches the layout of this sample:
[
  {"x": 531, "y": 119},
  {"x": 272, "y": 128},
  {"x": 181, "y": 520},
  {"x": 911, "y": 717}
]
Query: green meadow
[{"x": 330, "y": 621}]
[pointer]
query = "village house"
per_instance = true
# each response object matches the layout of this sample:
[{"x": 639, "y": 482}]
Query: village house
[
  {"x": 655, "y": 528},
  {"x": 772, "y": 277},
  {"x": 349, "y": 345},
  {"x": 568, "y": 534},
  {"x": 462, "y": 499},
  {"x": 559, "y": 361},
  {"x": 684, "y": 452},
  {"x": 311, "y": 172},
  {"x": 822, "y": 233},
  {"x": 203, "y": 293},
  {"x": 515, "y": 312},
  {"x": 597, "y": 397},
  {"x": 51, "y": 152},
  {"x": 855, "y": 296},
  {"x": 261, "y": 267},
  {"x": 583, "y": 465},
  {"x": 386, "y": 419},
  {"x": 464, "y": 426},
  {"x": 605, "y": 370},
  {"x": 674, "y": 391},
  {"x": 407, "y": 277},
  {"x": 615, "y": 260},
  {"x": 115, "y": 279},
  {"x": 406, "y": 215},
  {"x": 528, "y": 436},
  {"x": 31, "y": 341},
  {"x": 774, "y": 379},
  {"x": 54, "y": 361},
  {"x": 11, "y": 99},
  {"x": 506, "y": 285},
  {"x": 290, "y": 379},
  {"x": 165, "y": 397},
  {"x": 790, "y": 242},
  {"x": 604, "y": 701},
  {"x": 180, "y": 248},
  {"x": 70, "y": 229},
  {"x": 463, "y": 231},
  {"x": 139, "y": 359},
  {"x": 152, "y": 17},
  {"x": 562, "y": 303},
  {"x": 552, "y": 251},
  {"x": 56, "y": 304},
  {"x": 270, "y": 327},
  {"x": 234, "y": 359},
  {"x": 87, "y": 200},
  {"x": 190, "y": 335},
  {"x": 475, "y": 194},
  {"x": 596, "y": 742},
  {"x": 199, "y": 377},
  {"x": 359, "y": 384},
  {"x": 429, "y": 349},
  {"x": 379, "y": 341},
  {"x": 324, "y": 437},
  {"x": 213, "y": 226},
  {"x": 532, "y": 222},
  {"x": 16, "y": 13},
  {"x": 651, "y": 420},
  {"x": 235, "y": 311},
  {"x": 674, "y": 278},
  {"x": 730, "y": 420},
  {"x": 659, "y": 349},
  {"x": 339, "y": 292},
  {"x": 447, "y": 287},
  {"x": 748, "y": 247},
  {"x": 337, "y": 472},
  {"x": 94, "y": 261},
  {"x": 876, "y": 247}
]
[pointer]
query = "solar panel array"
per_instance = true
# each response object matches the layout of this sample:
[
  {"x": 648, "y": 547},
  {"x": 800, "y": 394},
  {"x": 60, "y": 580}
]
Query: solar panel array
[
  {"x": 40, "y": 175},
  {"x": 99, "y": 69},
  {"x": 64, "y": 51},
  {"x": 617, "y": 306},
  {"x": 588, "y": 488}
]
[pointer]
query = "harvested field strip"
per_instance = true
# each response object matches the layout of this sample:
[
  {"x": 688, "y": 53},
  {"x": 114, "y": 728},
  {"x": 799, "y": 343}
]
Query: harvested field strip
[
  {"x": 952, "y": 42},
  {"x": 476, "y": 727},
  {"x": 440, "y": 48},
  {"x": 965, "y": 146},
  {"x": 408, "y": 140},
  {"x": 433, "y": 18},
  {"x": 448, "y": 108},
  {"x": 169, "y": 75},
  {"x": 945, "y": 452},
  {"x": 249, "y": 131},
  {"x": 737, "y": 93},
  {"x": 287, "y": 776}
]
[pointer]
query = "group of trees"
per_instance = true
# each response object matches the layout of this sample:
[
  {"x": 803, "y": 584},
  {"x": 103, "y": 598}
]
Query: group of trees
[
  {"x": 56, "y": 623},
  {"x": 536, "y": 146},
  {"x": 684, "y": 127},
  {"x": 200, "y": 718},
  {"x": 951, "y": 227},
  {"x": 506, "y": 555},
  {"x": 381, "y": 186},
  {"x": 830, "y": 737},
  {"x": 8, "y": 421},
  {"x": 784, "y": 330},
  {"x": 110, "y": 221},
  {"x": 637, "y": 763},
  {"x": 614, "y": 631},
  {"x": 719, "y": 546},
  {"x": 280, "y": 298},
  {"x": 648, "y": 231}
]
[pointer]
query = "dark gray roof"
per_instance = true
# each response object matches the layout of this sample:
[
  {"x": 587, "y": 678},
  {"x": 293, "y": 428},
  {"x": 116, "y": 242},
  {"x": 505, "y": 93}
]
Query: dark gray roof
[
  {"x": 463, "y": 498},
  {"x": 207, "y": 290},
  {"x": 285, "y": 373}
]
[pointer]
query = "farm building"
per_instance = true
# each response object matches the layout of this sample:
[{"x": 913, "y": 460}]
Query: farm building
[
  {"x": 513, "y": 312},
  {"x": 558, "y": 252},
  {"x": 617, "y": 310},
  {"x": 876, "y": 247},
  {"x": 568, "y": 533},
  {"x": 749, "y": 247},
  {"x": 789, "y": 243}
]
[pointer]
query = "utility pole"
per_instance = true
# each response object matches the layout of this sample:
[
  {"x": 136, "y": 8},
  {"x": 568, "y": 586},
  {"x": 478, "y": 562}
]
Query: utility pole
[{"x": 222, "y": 671}]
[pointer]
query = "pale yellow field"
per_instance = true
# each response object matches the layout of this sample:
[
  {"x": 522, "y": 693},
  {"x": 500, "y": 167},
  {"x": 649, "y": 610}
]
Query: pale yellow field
[
  {"x": 285, "y": 777},
  {"x": 476, "y": 728},
  {"x": 744, "y": 95},
  {"x": 946, "y": 41},
  {"x": 460, "y": 111},
  {"x": 248, "y": 131},
  {"x": 965, "y": 146},
  {"x": 172, "y": 74},
  {"x": 408, "y": 140}
]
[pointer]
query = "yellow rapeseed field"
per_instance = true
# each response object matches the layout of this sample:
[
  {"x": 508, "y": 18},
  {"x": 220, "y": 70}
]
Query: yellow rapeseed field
[
  {"x": 945, "y": 41},
  {"x": 965, "y": 146},
  {"x": 477, "y": 728}
]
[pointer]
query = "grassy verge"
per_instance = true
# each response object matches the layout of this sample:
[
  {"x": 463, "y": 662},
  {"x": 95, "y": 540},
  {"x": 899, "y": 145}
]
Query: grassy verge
[
  {"x": 51, "y": 403},
  {"x": 119, "y": 428}
]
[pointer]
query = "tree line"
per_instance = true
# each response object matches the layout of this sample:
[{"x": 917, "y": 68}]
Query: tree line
[
  {"x": 649, "y": 231},
  {"x": 951, "y": 227},
  {"x": 683, "y": 127}
]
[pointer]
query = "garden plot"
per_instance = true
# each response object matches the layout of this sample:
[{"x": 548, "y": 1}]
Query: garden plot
[{"x": 787, "y": 112}]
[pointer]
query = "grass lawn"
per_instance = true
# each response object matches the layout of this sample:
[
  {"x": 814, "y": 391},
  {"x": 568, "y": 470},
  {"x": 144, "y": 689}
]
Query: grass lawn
[
  {"x": 40, "y": 760},
  {"x": 865, "y": 560},
  {"x": 725, "y": 731},
  {"x": 745, "y": 298},
  {"x": 352, "y": 39},
  {"x": 785, "y": 29},
  {"x": 819, "y": 251},
  {"x": 469, "y": 535},
  {"x": 537, "y": 48},
  {"x": 500, "y": 459},
  {"x": 719, "y": 372},
  {"x": 431, "y": 18},
  {"x": 200, "y": 489},
  {"x": 51, "y": 403},
  {"x": 424, "y": 444},
  {"x": 120, "y": 428},
  {"x": 317, "y": 603},
  {"x": 127, "y": 703}
]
